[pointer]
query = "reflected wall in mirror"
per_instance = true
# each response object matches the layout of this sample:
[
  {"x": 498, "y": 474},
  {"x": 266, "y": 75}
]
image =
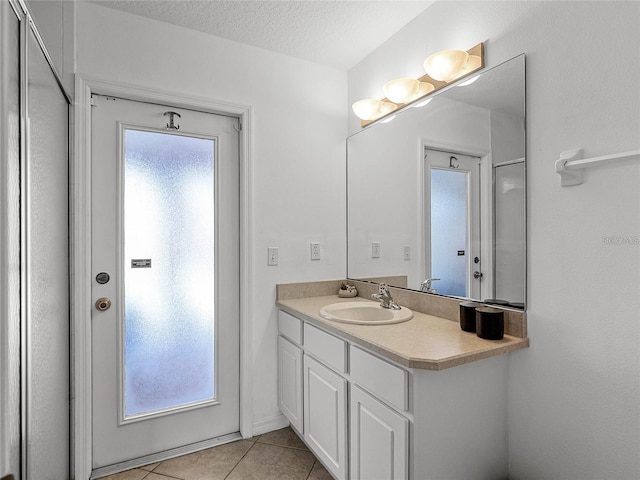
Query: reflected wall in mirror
[{"x": 436, "y": 197}]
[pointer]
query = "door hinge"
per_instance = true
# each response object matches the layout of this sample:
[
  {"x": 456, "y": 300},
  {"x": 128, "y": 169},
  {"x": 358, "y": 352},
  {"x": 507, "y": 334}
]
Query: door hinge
[{"x": 94, "y": 102}]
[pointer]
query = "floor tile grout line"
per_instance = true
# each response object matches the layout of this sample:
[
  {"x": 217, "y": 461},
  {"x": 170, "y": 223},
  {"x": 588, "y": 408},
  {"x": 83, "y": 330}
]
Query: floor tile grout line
[
  {"x": 240, "y": 459},
  {"x": 312, "y": 467},
  {"x": 159, "y": 474},
  {"x": 274, "y": 445},
  {"x": 253, "y": 441},
  {"x": 303, "y": 449}
]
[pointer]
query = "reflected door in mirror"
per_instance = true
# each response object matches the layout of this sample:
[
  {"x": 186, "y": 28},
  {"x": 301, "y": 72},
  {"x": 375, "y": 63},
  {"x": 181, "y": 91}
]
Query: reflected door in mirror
[{"x": 452, "y": 214}]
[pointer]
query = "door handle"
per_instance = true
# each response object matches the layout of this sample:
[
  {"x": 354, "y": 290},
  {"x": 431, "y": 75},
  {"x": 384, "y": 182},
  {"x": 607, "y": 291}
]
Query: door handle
[
  {"x": 103, "y": 304},
  {"x": 477, "y": 274}
]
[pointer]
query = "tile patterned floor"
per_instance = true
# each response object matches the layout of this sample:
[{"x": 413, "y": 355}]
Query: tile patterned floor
[{"x": 278, "y": 455}]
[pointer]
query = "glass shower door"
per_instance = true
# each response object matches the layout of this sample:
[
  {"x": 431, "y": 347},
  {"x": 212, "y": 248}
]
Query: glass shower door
[{"x": 46, "y": 271}]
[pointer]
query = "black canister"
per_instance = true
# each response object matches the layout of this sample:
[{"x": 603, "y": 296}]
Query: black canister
[
  {"x": 468, "y": 316},
  {"x": 489, "y": 323}
]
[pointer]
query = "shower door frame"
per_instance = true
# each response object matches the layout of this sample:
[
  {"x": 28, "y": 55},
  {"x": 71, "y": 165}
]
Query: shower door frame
[{"x": 81, "y": 249}]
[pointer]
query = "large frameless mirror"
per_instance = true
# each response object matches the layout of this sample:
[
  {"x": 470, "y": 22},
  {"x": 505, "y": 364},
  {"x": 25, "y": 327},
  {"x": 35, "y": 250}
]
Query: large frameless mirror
[{"x": 437, "y": 196}]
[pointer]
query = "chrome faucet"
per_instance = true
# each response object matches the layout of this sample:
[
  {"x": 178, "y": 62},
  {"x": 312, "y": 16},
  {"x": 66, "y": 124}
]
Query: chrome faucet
[
  {"x": 384, "y": 296},
  {"x": 426, "y": 285}
]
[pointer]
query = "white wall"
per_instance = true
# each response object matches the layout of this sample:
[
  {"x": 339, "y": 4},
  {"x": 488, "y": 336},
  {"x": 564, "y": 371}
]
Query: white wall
[
  {"x": 574, "y": 410},
  {"x": 55, "y": 20},
  {"x": 297, "y": 150}
]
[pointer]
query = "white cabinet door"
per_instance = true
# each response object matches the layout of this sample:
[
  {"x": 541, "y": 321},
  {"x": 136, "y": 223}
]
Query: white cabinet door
[
  {"x": 325, "y": 419},
  {"x": 379, "y": 440},
  {"x": 290, "y": 382}
]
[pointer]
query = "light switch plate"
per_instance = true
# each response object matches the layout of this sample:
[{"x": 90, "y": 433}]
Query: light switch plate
[
  {"x": 315, "y": 250},
  {"x": 375, "y": 249},
  {"x": 272, "y": 256}
]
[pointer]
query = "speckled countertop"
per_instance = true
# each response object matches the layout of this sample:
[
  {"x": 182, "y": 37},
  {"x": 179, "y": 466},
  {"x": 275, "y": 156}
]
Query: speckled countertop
[{"x": 424, "y": 342}]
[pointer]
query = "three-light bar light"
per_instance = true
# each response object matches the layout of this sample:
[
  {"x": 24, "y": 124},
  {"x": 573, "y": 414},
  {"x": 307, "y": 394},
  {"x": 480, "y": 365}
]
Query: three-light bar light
[{"x": 443, "y": 68}]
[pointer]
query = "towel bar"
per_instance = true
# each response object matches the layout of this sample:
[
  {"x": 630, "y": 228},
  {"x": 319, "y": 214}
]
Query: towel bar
[{"x": 570, "y": 164}]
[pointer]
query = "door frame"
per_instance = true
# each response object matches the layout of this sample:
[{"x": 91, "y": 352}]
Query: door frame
[
  {"x": 80, "y": 181},
  {"x": 486, "y": 195}
]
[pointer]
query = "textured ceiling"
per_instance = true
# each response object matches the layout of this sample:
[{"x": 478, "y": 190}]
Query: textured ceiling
[{"x": 335, "y": 33}]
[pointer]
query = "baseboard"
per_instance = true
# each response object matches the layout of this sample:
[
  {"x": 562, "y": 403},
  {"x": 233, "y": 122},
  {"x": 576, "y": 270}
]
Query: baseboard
[
  {"x": 268, "y": 424},
  {"x": 165, "y": 455}
]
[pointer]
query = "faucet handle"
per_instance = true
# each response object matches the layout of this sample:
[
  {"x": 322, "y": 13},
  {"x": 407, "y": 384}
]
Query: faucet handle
[
  {"x": 426, "y": 285},
  {"x": 383, "y": 289}
]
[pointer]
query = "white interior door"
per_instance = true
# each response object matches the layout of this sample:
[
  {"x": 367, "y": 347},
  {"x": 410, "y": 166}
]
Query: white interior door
[
  {"x": 453, "y": 223},
  {"x": 165, "y": 255}
]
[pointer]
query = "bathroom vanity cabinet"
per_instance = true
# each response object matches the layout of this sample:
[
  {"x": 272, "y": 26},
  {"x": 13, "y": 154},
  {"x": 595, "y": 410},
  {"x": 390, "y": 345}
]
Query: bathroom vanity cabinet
[{"x": 366, "y": 417}]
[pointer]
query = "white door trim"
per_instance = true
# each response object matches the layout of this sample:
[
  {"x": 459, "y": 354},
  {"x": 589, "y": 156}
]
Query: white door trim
[{"x": 80, "y": 180}]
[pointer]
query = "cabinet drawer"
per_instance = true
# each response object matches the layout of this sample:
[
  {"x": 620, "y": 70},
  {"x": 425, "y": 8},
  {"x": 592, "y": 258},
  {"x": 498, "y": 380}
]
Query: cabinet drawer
[
  {"x": 325, "y": 347},
  {"x": 388, "y": 382},
  {"x": 290, "y": 327}
]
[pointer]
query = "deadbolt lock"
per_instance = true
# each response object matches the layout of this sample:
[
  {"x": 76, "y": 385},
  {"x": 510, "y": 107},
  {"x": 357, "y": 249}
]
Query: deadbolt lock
[{"x": 103, "y": 304}]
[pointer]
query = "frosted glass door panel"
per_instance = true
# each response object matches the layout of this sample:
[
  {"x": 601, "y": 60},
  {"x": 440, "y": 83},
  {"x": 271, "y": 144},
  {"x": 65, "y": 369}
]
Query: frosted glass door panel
[
  {"x": 449, "y": 221},
  {"x": 169, "y": 245}
]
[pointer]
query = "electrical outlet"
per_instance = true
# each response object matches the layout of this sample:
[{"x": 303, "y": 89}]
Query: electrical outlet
[
  {"x": 315, "y": 251},
  {"x": 272, "y": 256},
  {"x": 406, "y": 252},
  {"x": 375, "y": 249}
]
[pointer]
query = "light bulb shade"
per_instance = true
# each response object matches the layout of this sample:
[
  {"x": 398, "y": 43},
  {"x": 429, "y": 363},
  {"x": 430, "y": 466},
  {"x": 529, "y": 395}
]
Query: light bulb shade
[
  {"x": 446, "y": 65},
  {"x": 368, "y": 109},
  {"x": 473, "y": 63},
  {"x": 387, "y": 107},
  {"x": 401, "y": 90},
  {"x": 424, "y": 89}
]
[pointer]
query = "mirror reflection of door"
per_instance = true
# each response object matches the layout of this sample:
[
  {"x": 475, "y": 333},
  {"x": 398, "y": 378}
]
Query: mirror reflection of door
[{"x": 453, "y": 222}]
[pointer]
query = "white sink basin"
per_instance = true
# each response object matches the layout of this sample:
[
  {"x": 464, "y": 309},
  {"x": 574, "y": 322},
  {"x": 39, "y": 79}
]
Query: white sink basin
[{"x": 364, "y": 313}]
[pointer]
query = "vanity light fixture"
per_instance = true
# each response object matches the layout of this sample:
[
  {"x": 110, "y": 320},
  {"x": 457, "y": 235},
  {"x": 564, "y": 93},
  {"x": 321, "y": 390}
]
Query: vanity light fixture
[
  {"x": 372, "y": 109},
  {"x": 442, "y": 69},
  {"x": 446, "y": 65},
  {"x": 473, "y": 63},
  {"x": 401, "y": 90},
  {"x": 367, "y": 109},
  {"x": 425, "y": 89}
]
